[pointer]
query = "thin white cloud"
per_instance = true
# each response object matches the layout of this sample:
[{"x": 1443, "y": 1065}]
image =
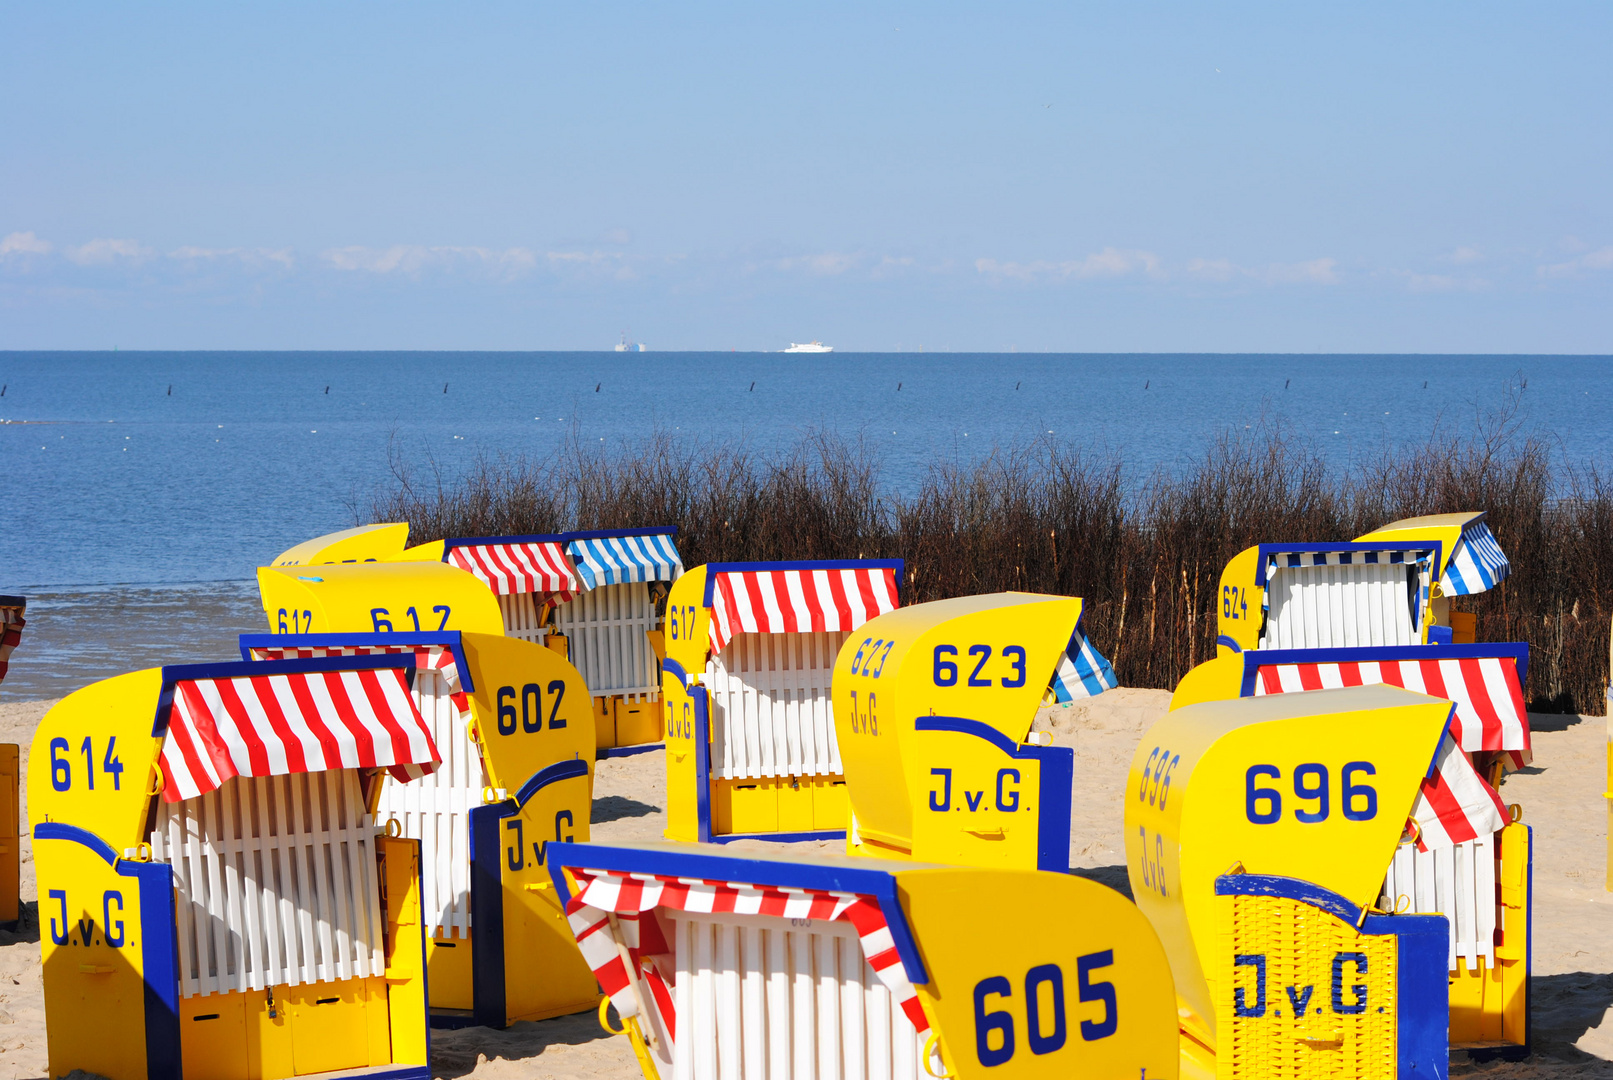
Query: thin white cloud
[
  {"x": 1108, "y": 263},
  {"x": 23, "y": 243},
  {"x": 1310, "y": 272},
  {"x": 1464, "y": 255},
  {"x": 413, "y": 259},
  {"x": 104, "y": 252},
  {"x": 1220, "y": 270},
  {"x": 1601, "y": 259},
  {"x": 1439, "y": 283},
  {"x": 246, "y": 256}
]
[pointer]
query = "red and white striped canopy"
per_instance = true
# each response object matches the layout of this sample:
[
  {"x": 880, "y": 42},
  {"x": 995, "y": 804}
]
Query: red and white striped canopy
[
  {"x": 628, "y": 896},
  {"x": 1490, "y": 712},
  {"x": 276, "y": 724},
  {"x": 438, "y": 658},
  {"x": 1455, "y": 804},
  {"x": 540, "y": 566},
  {"x": 797, "y": 601}
]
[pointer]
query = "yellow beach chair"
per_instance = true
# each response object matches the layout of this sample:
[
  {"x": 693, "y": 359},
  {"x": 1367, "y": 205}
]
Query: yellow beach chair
[{"x": 216, "y": 899}]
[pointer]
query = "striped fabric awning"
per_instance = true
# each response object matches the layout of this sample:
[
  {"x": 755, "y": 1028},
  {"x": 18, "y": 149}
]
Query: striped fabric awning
[
  {"x": 1082, "y": 672},
  {"x": 443, "y": 656},
  {"x": 601, "y": 894},
  {"x": 797, "y": 598},
  {"x": 620, "y": 558},
  {"x": 1476, "y": 564},
  {"x": 516, "y": 564},
  {"x": 1455, "y": 804},
  {"x": 11, "y": 626},
  {"x": 273, "y": 718},
  {"x": 1490, "y": 713}
]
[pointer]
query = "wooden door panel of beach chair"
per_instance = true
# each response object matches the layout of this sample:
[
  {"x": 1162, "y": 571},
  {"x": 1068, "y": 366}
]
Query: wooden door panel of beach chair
[
  {"x": 435, "y": 810},
  {"x": 264, "y": 924},
  {"x": 771, "y": 707}
]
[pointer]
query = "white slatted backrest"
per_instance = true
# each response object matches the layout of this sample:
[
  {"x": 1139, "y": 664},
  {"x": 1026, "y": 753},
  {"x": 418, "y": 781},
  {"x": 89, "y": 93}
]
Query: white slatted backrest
[
  {"x": 1323, "y": 607},
  {"x": 520, "y": 611},
  {"x": 1456, "y": 882},
  {"x": 771, "y": 713},
  {"x": 435, "y": 810},
  {"x": 605, "y": 630},
  {"x": 762, "y": 998},
  {"x": 276, "y": 883}
]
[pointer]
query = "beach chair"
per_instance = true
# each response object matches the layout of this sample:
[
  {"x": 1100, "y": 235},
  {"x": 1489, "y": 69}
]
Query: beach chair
[
  {"x": 750, "y": 725},
  {"x": 12, "y": 622},
  {"x": 933, "y": 706},
  {"x": 12, "y": 610},
  {"x": 514, "y": 723},
  {"x": 753, "y": 966},
  {"x": 596, "y": 597},
  {"x": 216, "y": 899},
  {"x": 1258, "y": 832},
  {"x": 1471, "y": 861}
]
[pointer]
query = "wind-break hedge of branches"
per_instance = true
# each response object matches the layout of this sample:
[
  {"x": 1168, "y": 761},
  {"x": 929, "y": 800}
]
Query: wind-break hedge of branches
[{"x": 1145, "y": 554}]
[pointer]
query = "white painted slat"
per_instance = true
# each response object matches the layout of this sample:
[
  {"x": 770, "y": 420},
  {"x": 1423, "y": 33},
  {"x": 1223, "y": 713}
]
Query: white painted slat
[
  {"x": 1351, "y": 605},
  {"x": 276, "y": 883},
  {"x": 683, "y": 996},
  {"x": 753, "y": 989},
  {"x": 771, "y": 709},
  {"x": 760, "y": 999},
  {"x": 520, "y": 611},
  {"x": 729, "y": 1019},
  {"x": 606, "y": 629},
  {"x": 1457, "y": 882}
]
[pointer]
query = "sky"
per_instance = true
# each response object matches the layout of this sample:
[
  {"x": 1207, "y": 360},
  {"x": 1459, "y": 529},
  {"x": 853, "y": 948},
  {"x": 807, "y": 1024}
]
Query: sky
[{"x": 1391, "y": 177}]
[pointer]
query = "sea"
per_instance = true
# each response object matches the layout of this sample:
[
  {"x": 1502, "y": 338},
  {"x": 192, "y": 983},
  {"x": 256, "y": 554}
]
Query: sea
[{"x": 139, "y": 490}]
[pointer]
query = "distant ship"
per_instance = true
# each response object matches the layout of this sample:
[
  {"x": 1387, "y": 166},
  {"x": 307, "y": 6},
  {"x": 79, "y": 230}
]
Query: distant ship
[
  {"x": 811, "y": 346},
  {"x": 629, "y": 346}
]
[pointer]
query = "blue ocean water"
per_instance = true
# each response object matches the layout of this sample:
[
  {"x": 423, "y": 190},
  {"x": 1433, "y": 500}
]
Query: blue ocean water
[{"x": 127, "y": 474}]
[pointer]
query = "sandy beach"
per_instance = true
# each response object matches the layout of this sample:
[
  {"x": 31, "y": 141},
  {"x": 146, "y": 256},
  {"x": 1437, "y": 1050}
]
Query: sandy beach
[{"x": 1561, "y": 795}]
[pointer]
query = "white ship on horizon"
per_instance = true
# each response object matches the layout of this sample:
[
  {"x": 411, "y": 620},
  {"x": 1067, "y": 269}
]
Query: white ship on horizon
[
  {"x": 811, "y": 346},
  {"x": 627, "y": 345}
]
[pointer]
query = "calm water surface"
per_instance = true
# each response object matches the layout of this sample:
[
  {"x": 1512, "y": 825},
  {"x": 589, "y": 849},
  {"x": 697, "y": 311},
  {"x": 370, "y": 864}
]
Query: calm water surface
[{"x": 123, "y": 475}]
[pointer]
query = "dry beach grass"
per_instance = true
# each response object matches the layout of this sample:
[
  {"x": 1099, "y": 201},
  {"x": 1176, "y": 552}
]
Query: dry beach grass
[
  {"x": 1146, "y": 553},
  {"x": 1561, "y": 795}
]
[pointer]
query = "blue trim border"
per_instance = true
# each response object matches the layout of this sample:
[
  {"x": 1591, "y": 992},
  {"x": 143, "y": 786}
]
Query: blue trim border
[
  {"x": 629, "y": 751},
  {"x": 1421, "y": 547}
]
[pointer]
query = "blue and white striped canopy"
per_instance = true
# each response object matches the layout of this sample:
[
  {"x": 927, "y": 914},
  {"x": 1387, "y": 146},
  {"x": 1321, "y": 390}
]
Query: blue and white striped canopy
[
  {"x": 1478, "y": 563},
  {"x": 1082, "y": 672},
  {"x": 620, "y": 559}
]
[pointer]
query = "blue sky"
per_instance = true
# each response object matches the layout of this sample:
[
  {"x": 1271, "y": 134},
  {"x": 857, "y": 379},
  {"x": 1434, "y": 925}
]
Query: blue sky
[{"x": 1116, "y": 177}]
